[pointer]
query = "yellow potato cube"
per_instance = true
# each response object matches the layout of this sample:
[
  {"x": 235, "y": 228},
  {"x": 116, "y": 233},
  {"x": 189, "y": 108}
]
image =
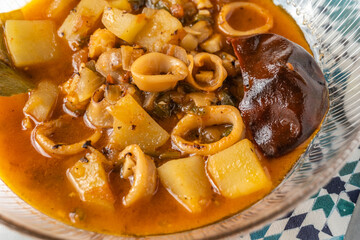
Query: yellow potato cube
[
  {"x": 80, "y": 87},
  {"x": 186, "y": 180},
  {"x": 42, "y": 101},
  {"x": 31, "y": 42},
  {"x": 133, "y": 125},
  {"x": 160, "y": 29},
  {"x": 79, "y": 23},
  {"x": 189, "y": 42},
  {"x": 88, "y": 83},
  {"x": 237, "y": 171},
  {"x": 214, "y": 44},
  {"x": 90, "y": 180},
  {"x": 124, "y": 25}
]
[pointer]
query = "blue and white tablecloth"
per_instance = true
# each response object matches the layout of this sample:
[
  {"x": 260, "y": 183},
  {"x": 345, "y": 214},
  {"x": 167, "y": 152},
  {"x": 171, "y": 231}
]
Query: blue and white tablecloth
[{"x": 325, "y": 215}]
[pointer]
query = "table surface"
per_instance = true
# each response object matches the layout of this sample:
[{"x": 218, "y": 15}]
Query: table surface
[{"x": 325, "y": 215}]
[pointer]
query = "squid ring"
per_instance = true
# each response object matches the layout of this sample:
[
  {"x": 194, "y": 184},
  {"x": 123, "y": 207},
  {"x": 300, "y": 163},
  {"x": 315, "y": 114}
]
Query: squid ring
[
  {"x": 96, "y": 114},
  {"x": 42, "y": 132},
  {"x": 209, "y": 83},
  {"x": 214, "y": 115},
  {"x": 144, "y": 171},
  {"x": 228, "y": 9},
  {"x": 156, "y": 72}
]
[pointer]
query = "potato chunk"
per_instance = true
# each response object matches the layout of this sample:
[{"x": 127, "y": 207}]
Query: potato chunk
[
  {"x": 80, "y": 21},
  {"x": 237, "y": 171},
  {"x": 124, "y": 25},
  {"x": 133, "y": 125},
  {"x": 161, "y": 29},
  {"x": 31, "y": 42},
  {"x": 214, "y": 44},
  {"x": 80, "y": 87},
  {"x": 186, "y": 180},
  {"x": 90, "y": 180},
  {"x": 42, "y": 101}
]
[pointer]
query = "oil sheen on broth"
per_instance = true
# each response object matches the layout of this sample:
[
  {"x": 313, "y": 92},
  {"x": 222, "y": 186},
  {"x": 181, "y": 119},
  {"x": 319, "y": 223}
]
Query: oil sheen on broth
[{"x": 42, "y": 181}]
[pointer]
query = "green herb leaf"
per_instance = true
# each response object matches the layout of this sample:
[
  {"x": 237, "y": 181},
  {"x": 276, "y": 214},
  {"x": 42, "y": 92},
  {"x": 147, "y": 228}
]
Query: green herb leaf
[
  {"x": 12, "y": 82},
  {"x": 163, "y": 106},
  {"x": 199, "y": 17},
  {"x": 227, "y": 131},
  {"x": 186, "y": 88},
  {"x": 192, "y": 108}
]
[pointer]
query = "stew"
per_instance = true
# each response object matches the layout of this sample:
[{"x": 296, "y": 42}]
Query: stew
[{"x": 156, "y": 116}]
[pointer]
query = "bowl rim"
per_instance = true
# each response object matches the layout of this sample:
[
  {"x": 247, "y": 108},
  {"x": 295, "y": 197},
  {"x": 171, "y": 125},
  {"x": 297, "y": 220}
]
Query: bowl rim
[{"x": 318, "y": 181}]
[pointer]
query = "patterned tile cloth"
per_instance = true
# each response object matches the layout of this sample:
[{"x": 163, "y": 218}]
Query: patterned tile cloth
[{"x": 325, "y": 215}]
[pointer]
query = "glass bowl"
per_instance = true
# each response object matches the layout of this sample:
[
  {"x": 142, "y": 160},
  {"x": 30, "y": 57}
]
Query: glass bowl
[{"x": 332, "y": 28}]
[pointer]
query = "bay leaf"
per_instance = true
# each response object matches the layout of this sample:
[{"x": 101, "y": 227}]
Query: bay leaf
[{"x": 12, "y": 82}]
